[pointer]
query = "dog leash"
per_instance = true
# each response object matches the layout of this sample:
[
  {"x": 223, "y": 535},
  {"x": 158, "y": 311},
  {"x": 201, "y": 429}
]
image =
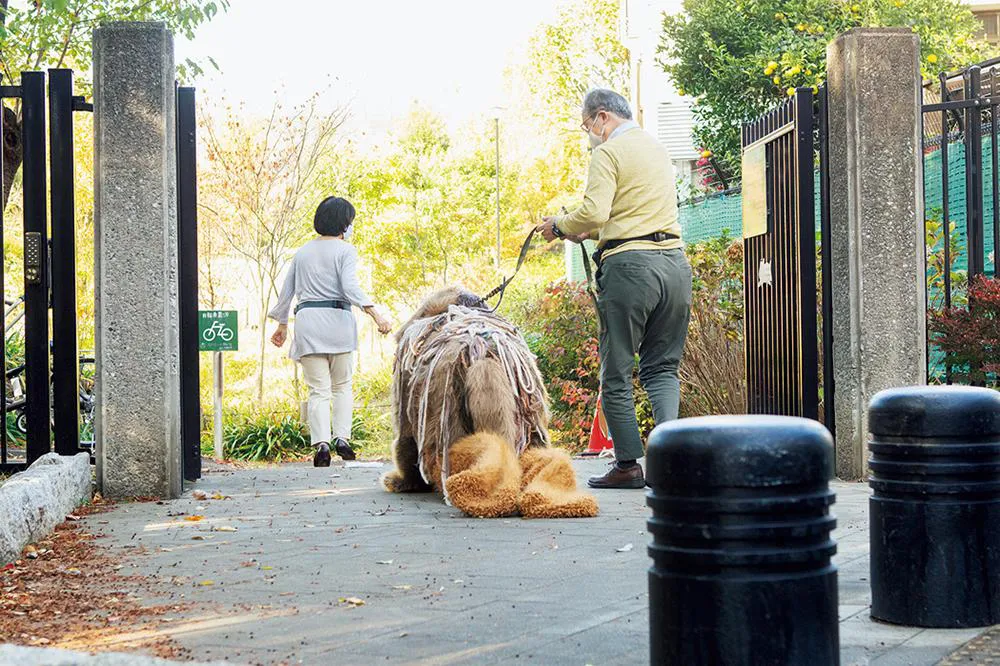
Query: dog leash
[
  {"x": 502, "y": 287},
  {"x": 590, "y": 274},
  {"x": 525, "y": 246}
]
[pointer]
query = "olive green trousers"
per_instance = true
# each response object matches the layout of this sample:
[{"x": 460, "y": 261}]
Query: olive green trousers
[{"x": 644, "y": 301}]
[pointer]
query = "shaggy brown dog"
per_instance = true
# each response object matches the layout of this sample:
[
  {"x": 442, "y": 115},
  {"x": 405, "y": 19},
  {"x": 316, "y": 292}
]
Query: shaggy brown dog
[{"x": 471, "y": 416}]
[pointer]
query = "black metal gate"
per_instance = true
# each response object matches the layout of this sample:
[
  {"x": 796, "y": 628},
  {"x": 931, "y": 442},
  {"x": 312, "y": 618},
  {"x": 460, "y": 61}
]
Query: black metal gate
[
  {"x": 43, "y": 397},
  {"x": 782, "y": 339},
  {"x": 961, "y": 127}
]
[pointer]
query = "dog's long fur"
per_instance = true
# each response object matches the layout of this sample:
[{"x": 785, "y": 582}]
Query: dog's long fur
[{"x": 468, "y": 406}]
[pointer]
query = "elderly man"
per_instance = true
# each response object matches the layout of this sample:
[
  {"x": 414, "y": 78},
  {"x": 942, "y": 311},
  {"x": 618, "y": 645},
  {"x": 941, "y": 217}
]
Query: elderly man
[{"x": 643, "y": 277}]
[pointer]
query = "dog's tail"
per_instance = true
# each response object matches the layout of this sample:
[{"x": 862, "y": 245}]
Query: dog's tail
[
  {"x": 490, "y": 409},
  {"x": 487, "y": 478}
]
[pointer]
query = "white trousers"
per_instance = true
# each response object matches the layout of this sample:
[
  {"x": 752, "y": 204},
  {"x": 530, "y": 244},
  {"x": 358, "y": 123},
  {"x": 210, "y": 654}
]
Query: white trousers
[{"x": 328, "y": 377}]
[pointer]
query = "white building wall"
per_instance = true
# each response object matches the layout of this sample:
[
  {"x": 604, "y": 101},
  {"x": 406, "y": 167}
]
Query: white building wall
[{"x": 655, "y": 101}]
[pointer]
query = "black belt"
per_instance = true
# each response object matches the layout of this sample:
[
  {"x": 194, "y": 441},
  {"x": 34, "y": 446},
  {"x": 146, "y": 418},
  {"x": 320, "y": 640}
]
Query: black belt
[
  {"x": 658, "y": 237},
  {"x": 336, "y": 305}
]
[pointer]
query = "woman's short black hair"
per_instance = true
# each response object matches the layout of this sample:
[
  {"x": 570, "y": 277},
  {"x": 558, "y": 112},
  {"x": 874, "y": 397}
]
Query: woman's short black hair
[{"x": 333, "y": 216}]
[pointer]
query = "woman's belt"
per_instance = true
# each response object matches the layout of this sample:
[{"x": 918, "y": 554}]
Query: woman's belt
[{"x": 336, "y": 305}]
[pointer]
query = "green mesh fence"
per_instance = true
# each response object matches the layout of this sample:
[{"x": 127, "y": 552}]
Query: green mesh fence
[
  {"x": 957, "y": 211},
  {"x": 710, "y": 217}
]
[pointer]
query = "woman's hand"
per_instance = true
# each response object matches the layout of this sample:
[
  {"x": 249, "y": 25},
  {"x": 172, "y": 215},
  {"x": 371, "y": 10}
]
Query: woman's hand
[
  {"x": 280, "y": 335},
  {"x": 384, "y": 325}
]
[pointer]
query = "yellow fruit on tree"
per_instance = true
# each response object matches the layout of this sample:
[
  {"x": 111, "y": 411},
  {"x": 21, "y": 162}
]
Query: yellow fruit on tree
[
  {"x": 790, "y": 91},
  {"x": 794, "y": 70},
  {"x": 706, "y": 154},
  {"x": 772, "y": 65},
  {"x": 777, "y": 80},
  {"x": 932, "y": 58}
]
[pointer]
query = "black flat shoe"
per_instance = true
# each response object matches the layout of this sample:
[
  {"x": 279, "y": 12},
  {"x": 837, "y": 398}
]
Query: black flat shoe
[
  {"x": 344, "y": 449},
  {"x": 322, "y": 457}
]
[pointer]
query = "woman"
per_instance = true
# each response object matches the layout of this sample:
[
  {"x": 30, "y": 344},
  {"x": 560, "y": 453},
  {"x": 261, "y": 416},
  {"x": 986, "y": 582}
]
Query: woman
[{"x": 323, "y": 280}]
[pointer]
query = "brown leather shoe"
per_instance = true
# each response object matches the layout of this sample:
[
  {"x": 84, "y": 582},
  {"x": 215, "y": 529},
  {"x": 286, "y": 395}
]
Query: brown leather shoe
[
  {"x": 616, "y": 477},
  {"x": 344, "y": 449},
  {"x": 322, "y": 457}
]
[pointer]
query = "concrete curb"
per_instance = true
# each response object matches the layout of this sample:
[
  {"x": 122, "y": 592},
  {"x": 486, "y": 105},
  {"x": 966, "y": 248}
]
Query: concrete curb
[
  {"x": 18, "y": 655},
  {"x": 34, "y": 501}
]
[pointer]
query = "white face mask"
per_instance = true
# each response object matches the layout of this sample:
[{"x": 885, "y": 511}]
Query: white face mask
[
  {"x": 349, "y": 233},
  {"x": 595, "y": 139}
]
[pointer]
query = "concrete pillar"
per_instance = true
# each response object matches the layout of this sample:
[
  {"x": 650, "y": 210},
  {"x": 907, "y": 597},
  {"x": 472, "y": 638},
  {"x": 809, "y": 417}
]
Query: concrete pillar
[
  {"x": 877, "y": 223},
  {"x": 138, "y": 380}
]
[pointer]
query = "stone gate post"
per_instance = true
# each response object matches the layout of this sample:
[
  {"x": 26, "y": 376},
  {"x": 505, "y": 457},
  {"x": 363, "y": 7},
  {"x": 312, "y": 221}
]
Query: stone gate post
[
  {"x": 877, "y": 223},
  {"x": 138, "y": 379}
]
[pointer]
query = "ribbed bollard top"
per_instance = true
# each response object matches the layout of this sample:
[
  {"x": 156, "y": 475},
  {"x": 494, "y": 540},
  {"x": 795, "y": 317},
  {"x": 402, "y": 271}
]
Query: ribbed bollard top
[
  {"x": 934, "y": 512},
  {"x": 739, "y": 452},
  {"x": 935, "y": 440},
  {"x": 741, "y": 548},
  {"x": 935, "y": 411},
  {"x": 738, "y": 490}
]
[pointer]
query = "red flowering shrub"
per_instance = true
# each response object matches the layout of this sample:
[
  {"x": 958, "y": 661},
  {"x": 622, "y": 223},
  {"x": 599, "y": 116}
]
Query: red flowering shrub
[
  {"x": 970, "y": 337},
  {"x": 562, "y": 331}
]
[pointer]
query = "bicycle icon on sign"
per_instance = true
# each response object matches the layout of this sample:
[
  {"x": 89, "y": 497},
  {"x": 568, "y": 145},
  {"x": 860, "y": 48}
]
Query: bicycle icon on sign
[{"x": 217, "y": 330}]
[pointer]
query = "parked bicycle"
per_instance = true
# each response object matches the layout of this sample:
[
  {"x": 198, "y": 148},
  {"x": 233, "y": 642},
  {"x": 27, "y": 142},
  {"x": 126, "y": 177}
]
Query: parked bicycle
[{"x": 14, "y": 385}]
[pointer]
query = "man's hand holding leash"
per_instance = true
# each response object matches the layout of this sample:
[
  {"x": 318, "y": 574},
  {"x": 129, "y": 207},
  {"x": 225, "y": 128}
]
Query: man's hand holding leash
[{"x": 551, "y": 232}]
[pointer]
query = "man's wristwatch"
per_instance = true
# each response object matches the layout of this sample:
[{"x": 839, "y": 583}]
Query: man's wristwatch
[{"x": 557, "y": 232}]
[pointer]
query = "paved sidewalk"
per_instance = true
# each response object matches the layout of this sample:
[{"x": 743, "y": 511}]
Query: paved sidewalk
[{"x": 320, "y": 566}]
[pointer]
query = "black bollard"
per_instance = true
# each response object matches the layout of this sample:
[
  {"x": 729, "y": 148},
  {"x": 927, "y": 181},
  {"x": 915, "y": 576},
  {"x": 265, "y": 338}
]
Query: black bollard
[
  {"x": 935, "y": 511},
  {"x": 741, "y": 545}
]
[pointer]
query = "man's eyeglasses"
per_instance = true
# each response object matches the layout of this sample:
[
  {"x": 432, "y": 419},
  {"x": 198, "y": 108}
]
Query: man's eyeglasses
[{"x": 583, "y": 125}]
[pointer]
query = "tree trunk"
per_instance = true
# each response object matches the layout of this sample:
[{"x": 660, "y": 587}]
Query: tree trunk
[{"x": 13, "y": 150}]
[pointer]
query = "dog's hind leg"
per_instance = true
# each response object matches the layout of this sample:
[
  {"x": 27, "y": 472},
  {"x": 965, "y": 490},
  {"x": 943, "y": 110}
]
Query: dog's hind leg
[{"x": 406, "y": 478}]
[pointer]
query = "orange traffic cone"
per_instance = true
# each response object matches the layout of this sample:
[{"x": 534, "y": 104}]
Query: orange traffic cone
[{"x": 600, "y": 438}]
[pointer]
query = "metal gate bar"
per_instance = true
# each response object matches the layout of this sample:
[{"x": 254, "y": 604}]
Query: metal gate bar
[
  {"x": 36, "y": 296},
  {"x": 974, "y": 172},
  {"x": 65, "y": 364},
  {"x": 187, "y": 221},
  {"x": 823, "y": 138}
]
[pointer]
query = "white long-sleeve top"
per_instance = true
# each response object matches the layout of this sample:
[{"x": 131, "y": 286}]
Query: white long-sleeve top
[{"x": 324, "y": 269}]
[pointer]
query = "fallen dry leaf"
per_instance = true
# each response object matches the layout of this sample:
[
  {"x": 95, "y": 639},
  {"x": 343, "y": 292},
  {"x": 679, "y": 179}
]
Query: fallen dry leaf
[
  {"x": 206, "y": 583},
  {"x": 194, "y": 518},
  {"x": 353, "y": 602},
  {"x": 199, "y": 495}
]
